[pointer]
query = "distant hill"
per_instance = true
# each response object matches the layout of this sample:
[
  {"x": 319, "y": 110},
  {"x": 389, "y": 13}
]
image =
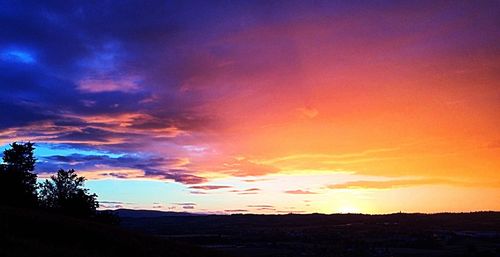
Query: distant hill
[
  {"x": 37, "y": 233},
  {"x": 129, "y": 213}
]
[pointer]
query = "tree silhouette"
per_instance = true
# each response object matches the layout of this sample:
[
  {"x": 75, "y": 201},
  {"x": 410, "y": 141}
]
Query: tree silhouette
[
  {"x": 64, "y": 192},
  {"x": 17, "y": 182}
]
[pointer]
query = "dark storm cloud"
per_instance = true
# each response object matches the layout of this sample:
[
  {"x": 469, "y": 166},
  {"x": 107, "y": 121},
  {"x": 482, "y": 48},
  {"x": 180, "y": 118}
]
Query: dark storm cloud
[
  {"x": 158, "y": 46},
  {"x": 115, "y": 45},
  {"x": 103, "y": 57},
  {"x": 18, "y": 114}
]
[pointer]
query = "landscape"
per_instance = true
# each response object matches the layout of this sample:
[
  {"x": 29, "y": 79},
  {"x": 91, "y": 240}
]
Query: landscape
[
  {"x": 249, "y": 128},
  {"x": 399, "y": 234}
]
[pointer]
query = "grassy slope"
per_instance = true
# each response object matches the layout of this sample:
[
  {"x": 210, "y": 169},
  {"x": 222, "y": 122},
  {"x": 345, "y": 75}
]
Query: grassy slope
[{"x": 37, "y": 233}]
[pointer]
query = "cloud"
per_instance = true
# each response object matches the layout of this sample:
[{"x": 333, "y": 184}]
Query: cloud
[
  {"x": 111, "y": 204},
  {"x": 398, "y": 183},
  {"x": 245, "y": 190},
  {"x": 108, "y": 85},
  {"x": 16, "y": 55},
  {"x": 266, "y": 209},
  {"x": 87, "y": 86},
  {"x": 185, "y": 204},
  {"x": 249, "y": 191},
  {"x": 103, "y": 173},
  {"x": 236, "y": 210},
  {"x": 198, "y": 192},
  {"x": 260, "y": 206},
  {"x": 255, "y": 180},
  {"x": 124, "y": 166},
  {"x": 290, "y": 212},
  {"x": 386, "y": 184},
  {"x": 300, "y": 192},
  {"x": 91, "y": 136},
  {"x": 245, "y": 168},
  {"x": 209, "y": 187},
  {"x": 177, "y": 176}
]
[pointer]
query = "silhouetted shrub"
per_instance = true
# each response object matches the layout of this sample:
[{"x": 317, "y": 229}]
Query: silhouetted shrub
[
  {"x": 64, "y": 192},
  {"x": 17, "y": 182}
]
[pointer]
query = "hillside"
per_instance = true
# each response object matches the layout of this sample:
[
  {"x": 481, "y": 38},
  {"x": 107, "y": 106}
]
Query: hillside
[{"x": 37, "y": 233}]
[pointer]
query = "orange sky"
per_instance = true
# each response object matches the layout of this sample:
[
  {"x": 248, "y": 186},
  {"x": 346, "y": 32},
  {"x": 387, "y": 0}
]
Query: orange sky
[
  {"x": 374, "y": 108},
  {"x": 415, "y": 118}
]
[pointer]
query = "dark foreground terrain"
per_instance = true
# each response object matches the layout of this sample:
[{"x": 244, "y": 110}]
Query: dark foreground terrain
[
  {"x": 146, "y": 233},
  {"x": 36, "y": 233},
  {"x": 459, "y": 234}
]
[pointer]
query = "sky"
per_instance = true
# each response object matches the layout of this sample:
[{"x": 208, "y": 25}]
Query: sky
[{"x": 259, "y": 106}]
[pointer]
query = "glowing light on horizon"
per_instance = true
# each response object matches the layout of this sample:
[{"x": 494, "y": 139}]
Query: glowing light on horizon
[{"x": 348, "y": 209}]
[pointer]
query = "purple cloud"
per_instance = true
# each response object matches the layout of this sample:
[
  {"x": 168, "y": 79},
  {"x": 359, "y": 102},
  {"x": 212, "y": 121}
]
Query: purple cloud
[{"x": 209, "y": 187}]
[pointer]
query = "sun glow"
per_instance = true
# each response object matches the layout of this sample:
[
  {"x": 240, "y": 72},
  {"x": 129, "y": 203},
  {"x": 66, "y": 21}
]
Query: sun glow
[{"x": 348, "y": 209}]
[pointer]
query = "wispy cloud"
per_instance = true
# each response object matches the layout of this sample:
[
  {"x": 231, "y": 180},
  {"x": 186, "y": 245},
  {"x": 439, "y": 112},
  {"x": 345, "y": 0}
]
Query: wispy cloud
[
  {"x": 300, "y": 192},
  {"x": 386, "y": 184},
  {"x": 246, "y": 168},
  {"x": 260, "y": 206},
  {"x": 198, "y": 192},
  {"x": 253, "y": 190},
  {"x": 108, "y": 85},
  {"x": 236, "y": 210},
  {"x": 209, "y": 187},
  {"x": 185, "y": 204},
  {"x": 397, "y": 183}
]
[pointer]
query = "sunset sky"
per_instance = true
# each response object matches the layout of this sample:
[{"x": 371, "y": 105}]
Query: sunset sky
[{"x": 260, "y": 106}]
